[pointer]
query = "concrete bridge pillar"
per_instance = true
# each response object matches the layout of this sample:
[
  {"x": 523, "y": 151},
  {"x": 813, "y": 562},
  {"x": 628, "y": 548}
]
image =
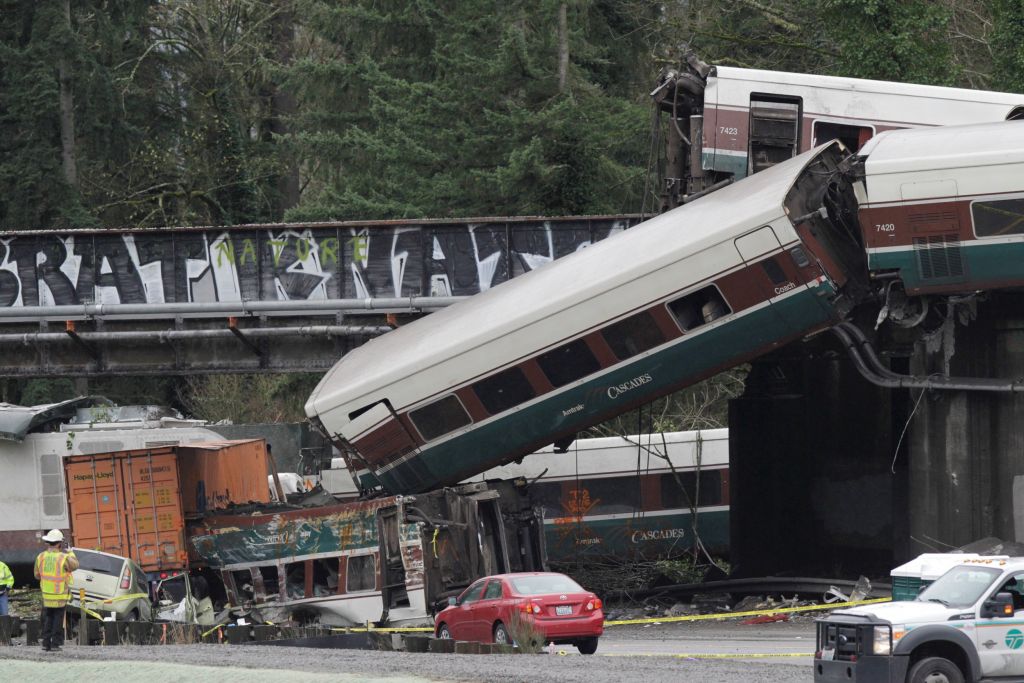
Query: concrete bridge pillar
[{"x": 967, "y": 448}]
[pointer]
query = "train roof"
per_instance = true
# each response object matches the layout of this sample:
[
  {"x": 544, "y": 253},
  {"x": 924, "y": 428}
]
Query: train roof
[
  {"x": 821, "y": 83},
  {"x": 945, "y": 147},
  {"x": 358, "y": 378}
]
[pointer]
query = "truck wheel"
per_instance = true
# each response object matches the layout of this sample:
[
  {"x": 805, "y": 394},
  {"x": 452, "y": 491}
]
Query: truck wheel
[{"x": 935, "y": 670}]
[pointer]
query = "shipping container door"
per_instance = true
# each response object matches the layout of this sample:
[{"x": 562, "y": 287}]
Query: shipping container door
[
  {"x": 153, "y": 502},
  {"x": 96, "y": 505}
]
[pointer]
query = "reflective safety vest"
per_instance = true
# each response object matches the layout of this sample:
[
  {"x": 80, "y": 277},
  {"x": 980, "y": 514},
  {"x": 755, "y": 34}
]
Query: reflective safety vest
[
  {"x": 6, "y": 578},
  {"x": 54, "y": 578}
]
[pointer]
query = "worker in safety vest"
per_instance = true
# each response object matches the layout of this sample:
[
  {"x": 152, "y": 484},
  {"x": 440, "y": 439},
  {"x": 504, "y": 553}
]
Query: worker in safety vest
[
  {"x": 53, "y": 569},
  {"x": 6, "y": 584}
]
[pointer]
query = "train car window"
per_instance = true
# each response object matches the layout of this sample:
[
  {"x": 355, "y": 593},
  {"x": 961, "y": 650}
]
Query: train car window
[
  {"x": 799, "y": 257},
  {"x": 674, "y": 496},
  {"x": 852, "y": 137},
  {"x": 998, "y": 217},
  {"x": 702, "y": 306},
  {"x": 774, "y": 271},
  {"x": 568, "y": 363},
  {"x": 549, "y": 495},
  {"x": 504, "y": 390},
  {"x": 608, "y": 495},
  {"x": 634, "y": 335},
  {"x": 362, "y": 575},
  {"x": 440, "y": 417},
  {"x": 295, "y": 580}
]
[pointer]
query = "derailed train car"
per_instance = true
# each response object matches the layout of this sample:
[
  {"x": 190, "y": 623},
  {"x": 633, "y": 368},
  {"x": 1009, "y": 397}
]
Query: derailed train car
[
  {"x": 726, "y": 123},
  {"x": 783, "y": 254},
  {"x": 393, "y": 559},
  {"x": 638, "y": 315}
]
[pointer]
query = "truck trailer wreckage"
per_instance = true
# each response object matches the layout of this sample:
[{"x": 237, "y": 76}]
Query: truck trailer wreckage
[{"x": 202, "y": 512}]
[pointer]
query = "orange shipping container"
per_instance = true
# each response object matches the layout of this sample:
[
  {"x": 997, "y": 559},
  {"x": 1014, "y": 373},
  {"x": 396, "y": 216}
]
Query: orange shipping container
[
  {"x": 217, "y": 474},
  {"x": 128, "y": 503},
  {"x": 134, "y": 503}
]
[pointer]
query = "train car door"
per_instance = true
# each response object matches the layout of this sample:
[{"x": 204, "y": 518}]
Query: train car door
[
  {"x": 775, "y": 274},
  {"x": 379, "y": 436}
]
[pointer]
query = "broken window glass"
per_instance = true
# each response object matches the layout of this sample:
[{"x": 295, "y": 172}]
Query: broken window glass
[
  {"x": 243, "y": 585},
  {"x": 270, "y": 584},
  {"x": 698, "y": 308},
  {"x": 325, "y": 576},
  {"x": 362, "y": 574},
  {"x": 295, "y": 580}
]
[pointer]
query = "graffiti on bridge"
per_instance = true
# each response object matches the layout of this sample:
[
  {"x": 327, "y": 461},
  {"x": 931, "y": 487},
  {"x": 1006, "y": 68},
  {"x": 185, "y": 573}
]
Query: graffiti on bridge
[{"x": 282, "y": 263}]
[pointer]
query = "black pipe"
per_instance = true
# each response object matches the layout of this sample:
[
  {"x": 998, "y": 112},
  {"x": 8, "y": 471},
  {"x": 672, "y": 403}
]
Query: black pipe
[{"x": 872, "y": 369}]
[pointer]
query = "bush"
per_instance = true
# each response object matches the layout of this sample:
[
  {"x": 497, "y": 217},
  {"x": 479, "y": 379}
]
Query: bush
[{"x": 525, "y": 634}]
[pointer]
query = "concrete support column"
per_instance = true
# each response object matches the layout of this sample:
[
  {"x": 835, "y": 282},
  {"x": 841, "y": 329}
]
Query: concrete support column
[{"x": 967, "y": 448}]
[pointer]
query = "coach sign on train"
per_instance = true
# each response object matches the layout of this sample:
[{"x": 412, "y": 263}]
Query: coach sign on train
[{"x": 706, "y": 286}]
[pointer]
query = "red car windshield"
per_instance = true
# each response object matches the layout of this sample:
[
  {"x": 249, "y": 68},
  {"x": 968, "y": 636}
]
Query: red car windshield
[{"x": 538, "y": 585}]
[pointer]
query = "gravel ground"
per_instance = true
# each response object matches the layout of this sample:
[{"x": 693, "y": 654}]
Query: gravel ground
[
  {"x": 255, "y": 664},
  {"x": 157, "y": 664}
]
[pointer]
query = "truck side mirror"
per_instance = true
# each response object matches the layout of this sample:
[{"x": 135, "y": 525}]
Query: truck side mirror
[
  {"x": 1000, "y": 605},
  {"x": 452, "y": 602}
]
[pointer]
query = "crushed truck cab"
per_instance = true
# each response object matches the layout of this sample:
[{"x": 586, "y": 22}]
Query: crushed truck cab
[{"x": 966, "y": 626}]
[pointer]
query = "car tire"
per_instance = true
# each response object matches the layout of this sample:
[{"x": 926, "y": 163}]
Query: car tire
[
  {"x": 935, "y": 670},
  {"x": 501, "y": 634},
  {"x": 132, "y": 616},
  {"x": 443, "y": 632},
  {"x": 587, "y": 646}
]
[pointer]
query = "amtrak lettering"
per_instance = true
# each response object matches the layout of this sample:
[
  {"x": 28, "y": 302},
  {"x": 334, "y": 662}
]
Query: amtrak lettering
[
  {"x": 282, "y": 262},
  {"x": 619, "y": 389},
  {"x": 657, "y": 535}
]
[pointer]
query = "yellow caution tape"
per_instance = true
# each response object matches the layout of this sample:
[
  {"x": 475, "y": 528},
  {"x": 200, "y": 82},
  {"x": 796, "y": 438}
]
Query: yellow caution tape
[
  {"x": 649, "y": 620},
  {"x": 712, "y": 655},
  {"x": 753, "y": 613}
]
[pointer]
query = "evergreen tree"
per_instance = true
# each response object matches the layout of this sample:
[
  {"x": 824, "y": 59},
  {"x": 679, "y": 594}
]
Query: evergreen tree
[{"x": 1008, "y": 45}]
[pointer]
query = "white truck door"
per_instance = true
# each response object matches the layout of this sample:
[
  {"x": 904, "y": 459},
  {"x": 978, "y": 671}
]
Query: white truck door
[{"x": 1000, "y": 640}]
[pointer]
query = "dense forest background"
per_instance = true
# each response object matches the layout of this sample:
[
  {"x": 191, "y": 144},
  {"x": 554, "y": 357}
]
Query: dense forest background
[{"x": 181, "y": 112}]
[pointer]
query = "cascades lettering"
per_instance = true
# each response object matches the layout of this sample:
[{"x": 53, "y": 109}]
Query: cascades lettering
[
  {"x": 619, "y": 389},
  {"x": 657, "y": 535}
]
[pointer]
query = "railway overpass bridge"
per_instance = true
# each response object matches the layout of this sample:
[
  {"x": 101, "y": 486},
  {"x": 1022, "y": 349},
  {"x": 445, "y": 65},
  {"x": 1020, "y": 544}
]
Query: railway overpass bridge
[{"x": 276, "y": 297}]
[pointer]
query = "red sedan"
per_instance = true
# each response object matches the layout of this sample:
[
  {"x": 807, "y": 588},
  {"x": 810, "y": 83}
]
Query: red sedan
[{"x": 551, "y": 605}]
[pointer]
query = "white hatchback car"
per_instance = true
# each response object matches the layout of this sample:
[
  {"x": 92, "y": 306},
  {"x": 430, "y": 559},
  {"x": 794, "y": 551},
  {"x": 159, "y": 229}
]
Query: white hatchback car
[{"x": 112, "y": 584}]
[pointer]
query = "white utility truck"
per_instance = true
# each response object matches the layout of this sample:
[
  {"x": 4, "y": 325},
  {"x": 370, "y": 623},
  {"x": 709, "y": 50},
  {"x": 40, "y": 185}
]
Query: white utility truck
[{"x": 966, "y": 626}]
